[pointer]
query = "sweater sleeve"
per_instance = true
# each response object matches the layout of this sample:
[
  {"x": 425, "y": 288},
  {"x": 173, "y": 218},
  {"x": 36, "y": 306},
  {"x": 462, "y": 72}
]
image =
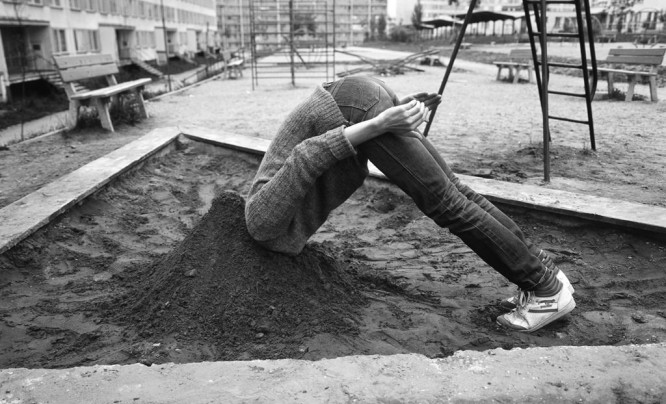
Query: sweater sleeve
[{"x": 281, "y": 184}]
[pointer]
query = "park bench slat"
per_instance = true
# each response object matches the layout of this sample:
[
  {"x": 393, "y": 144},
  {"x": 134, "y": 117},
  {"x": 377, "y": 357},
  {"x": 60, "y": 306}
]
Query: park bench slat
[
  {"x": 88, "y": 72},
  {"x": 635, "y": 60},
  {"x": 638, "y": 52},
  {"x": 110, "y": 91}
]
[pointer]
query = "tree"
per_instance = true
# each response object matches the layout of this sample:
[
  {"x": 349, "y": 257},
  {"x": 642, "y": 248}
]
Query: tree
[
  {"x": 417, "y": 15},
  {"x": 373, "y": 27},
  {"x": 381, "y": 26}
]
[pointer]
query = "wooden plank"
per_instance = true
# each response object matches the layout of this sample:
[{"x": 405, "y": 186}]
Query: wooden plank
[
  {"x": 520, "y": 54},
  {"x": 635, "y": 60},
  {"x": 638, "y": 52},
  {"x": 88, "y": 72},
  {"x": 25, "y": 216},
  {"x": 593, "y": 208},
  {"x": 113, "y": 90},
  {"x": 66, "y": 62},
  {"x": 628, "y": 72}
]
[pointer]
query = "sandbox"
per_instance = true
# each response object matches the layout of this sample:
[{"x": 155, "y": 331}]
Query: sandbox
[{"x": 385, "y": 279}]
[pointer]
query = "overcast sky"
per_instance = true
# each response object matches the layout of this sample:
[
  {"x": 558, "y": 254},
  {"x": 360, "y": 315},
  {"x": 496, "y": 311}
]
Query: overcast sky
[{"x": 391, "y": 7}]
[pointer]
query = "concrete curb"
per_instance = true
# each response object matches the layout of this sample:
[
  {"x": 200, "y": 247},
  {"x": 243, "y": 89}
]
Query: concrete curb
[
  {"x": 598, "y": 209},
  {"x": 600, "y": 374},
  {"x": 28, "y": 214},
  {"x": 49, "y": 124}
]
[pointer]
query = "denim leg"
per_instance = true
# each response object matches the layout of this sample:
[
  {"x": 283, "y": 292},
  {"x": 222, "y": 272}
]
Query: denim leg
[
  {"x": 479, "y": 199},
  {"x": 414, "y": 165},
  {"x": 408, "y": 163}
]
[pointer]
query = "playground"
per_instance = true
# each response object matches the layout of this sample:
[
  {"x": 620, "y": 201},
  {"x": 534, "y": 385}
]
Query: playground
[{"x": 400, "y": 284}]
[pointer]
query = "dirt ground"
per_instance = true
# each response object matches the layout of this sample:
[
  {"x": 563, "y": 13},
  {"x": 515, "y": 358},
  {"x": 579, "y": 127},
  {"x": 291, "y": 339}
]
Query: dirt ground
[
  {"x": 135, "y": 275},
  {"x": 66, "y": 289}
]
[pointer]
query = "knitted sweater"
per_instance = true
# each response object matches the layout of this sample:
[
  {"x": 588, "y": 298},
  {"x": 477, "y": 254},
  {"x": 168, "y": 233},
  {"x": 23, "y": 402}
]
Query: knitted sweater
[{"x": 310, "y": 168}]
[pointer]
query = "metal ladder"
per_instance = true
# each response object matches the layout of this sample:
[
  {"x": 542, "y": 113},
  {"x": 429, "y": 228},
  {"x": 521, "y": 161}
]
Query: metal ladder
[{"x": 542, "y": 64}]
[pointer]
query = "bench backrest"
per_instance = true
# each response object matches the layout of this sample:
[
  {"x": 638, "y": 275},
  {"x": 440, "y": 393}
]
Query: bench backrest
[
  {"x": 520, "y": 54},
  {"x": 82, "y": 67},
  {"x": 647, "y": 57}
]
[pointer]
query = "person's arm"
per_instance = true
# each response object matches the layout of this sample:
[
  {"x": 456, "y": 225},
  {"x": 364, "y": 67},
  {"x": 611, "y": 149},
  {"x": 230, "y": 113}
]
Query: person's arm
[
  {"x": 285, "y": 178},
  {"x": 282, "y": 182},
  {"x": 399, "y": 120}
]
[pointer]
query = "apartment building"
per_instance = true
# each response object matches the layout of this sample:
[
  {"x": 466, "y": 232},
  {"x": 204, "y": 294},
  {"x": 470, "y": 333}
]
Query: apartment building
[
  {"x": 355, "y": 20},
  {"x": 631, "y": 15},
  {"x": 32, "y": 31}
]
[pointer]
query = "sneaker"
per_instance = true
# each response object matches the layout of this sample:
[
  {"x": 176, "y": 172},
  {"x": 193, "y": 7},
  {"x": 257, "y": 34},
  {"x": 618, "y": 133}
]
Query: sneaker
[
  {"x": 533, "y": 312},
  {"x": 510, "y": 303}
]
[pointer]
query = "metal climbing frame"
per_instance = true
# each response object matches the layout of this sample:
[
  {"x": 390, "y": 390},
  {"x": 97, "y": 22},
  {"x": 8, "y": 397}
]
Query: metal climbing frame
[
  {"x": 292, "y": 39},
  {"x": 542, "y": 64}
]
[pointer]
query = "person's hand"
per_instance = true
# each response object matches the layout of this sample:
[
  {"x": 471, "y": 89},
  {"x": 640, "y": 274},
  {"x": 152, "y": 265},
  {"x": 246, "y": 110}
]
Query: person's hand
[
  {"x": 430, "y": 100},
  {"x": 402, "y": 119}
]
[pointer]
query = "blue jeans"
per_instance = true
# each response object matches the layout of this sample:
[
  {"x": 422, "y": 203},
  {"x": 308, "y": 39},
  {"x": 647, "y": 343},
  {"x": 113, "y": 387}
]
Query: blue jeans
[{"x": 413, "y": 164}]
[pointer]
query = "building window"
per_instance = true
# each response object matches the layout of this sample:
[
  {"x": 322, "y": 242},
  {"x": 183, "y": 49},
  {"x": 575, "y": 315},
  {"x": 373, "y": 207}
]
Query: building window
[
  {"x": 104, "y": 7},
  {"x": 56, "y": 3},
  {"x": 90, "y": 5},
  {"x": 145, "y": 39},
  {"x": 75, "y": 4},
  {"x": 86, "y": 40},
  {"x": 59, "y": 41}
]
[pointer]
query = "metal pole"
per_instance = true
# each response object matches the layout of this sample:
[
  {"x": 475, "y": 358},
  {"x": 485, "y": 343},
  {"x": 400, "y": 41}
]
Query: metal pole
[
  {"x": 334, "y": 38},
  {"x": 351, "y": 22},
  {"x": 240, "y": 22},
  {"x": 166, "y": 47},
  {"x": 369, "y": 19},
  {"x": 291, "y": 41},
  {"x": 449, "y": 67},
  {"x": 277, "y": 14},
  {"x": 544, "y": 93}
]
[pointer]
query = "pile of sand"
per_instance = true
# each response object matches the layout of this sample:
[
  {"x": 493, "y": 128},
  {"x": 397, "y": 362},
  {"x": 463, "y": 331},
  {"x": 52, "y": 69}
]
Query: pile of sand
[{"x": 220, "y": 287}]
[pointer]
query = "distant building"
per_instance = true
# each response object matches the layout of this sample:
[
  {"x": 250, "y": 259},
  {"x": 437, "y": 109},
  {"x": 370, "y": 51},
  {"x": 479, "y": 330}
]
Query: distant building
[
  {"x": 32, "y": 31},
  {"x": 627, "y": 16},
  {"x": 355, "y": 20}
]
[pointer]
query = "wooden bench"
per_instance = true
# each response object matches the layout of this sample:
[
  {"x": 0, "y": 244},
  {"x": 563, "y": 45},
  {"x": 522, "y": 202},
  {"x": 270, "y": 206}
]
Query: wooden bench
[
  {"x": 519, "y": 59},
  {"x": 233, "y": 65},
  {"x": 606, "y": 36},
  {"x": 647, "y": 60},
  {"x": 647, "y": 38},
  {"x": 74, "y": 69}
]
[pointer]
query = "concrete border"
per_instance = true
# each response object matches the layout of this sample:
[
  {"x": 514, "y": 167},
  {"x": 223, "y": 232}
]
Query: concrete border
[
  {"x": 603, "y": 374},
  {"x": 559, "y": 374},
  {"x": 25, "y": 216},
  {"x": 28, "y": 214},
  {"x": 629, "y": 214}
]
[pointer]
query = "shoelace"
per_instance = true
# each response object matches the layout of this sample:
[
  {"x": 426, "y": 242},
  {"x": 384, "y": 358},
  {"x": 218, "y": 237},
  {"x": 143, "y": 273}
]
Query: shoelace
[{"x": 522, "y": 299}]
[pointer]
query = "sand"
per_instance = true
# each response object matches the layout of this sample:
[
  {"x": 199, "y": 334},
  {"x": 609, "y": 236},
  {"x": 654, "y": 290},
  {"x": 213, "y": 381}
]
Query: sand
[{"x": 67, "y": 289}]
